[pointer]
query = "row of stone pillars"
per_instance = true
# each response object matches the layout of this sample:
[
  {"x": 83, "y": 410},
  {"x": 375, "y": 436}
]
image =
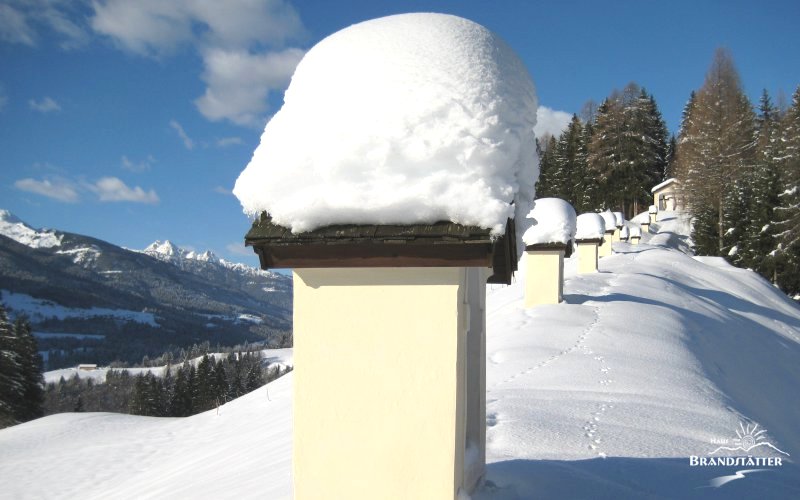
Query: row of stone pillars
[
  {"x": 389, "y": 395},
  {"x": 544, "y": 280}
]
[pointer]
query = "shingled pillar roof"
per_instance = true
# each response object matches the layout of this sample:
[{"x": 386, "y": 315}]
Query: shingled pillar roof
[{"x": 442, "y": 244}]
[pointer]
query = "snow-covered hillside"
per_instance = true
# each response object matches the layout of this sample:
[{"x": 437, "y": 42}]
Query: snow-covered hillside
[{"x": 657, "y": 358}]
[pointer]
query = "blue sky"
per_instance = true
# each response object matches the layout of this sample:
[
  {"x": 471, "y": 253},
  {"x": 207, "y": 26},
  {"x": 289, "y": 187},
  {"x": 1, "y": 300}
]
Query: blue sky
[{"x": 130, "y": 120}]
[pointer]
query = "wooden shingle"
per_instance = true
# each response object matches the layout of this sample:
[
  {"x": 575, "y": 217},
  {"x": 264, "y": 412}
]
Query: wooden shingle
[{"x": 442, "y": 244}]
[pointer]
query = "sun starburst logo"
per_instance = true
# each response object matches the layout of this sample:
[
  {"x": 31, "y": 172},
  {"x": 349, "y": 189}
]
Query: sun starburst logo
[{"x": 747, "y": 438}]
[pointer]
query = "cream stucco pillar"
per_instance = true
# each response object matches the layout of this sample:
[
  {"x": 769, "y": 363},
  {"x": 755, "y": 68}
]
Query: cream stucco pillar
[
  {"x": 587, "y": 255},
  {"x": 645, "y": 226},
  {"x": 605, "y": 247},
  {"x": 653, "y": 217},
  {"x": 544, "y": 275},
  {"x": 615, "y": 235},
  {"x": 635, "y": 240},
  {"x": 389, "y": 382}
]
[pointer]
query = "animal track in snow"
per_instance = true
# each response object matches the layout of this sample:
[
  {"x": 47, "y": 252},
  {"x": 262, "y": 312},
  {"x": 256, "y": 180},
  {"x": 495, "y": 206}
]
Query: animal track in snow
[{"x": 529, "y": 370}]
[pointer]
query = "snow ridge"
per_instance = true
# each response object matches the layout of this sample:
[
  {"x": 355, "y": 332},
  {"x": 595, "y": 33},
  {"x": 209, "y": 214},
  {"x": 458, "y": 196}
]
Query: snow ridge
[{"x": 14, "y": 228}]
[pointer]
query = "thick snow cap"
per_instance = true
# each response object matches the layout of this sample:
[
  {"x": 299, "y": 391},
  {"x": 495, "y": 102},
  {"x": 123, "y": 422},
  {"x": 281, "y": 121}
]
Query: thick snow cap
[
  {"x": 413, "y": 118},
  {"x": 610, "y": 220},
  {"x": 552, "y": 221},
  {"x": 619, "y": 219},
  {"x": 635, "y": 230},
  {"x": 591, "y": 226},
  {"x": 652, "y": 209},
  {"x": 624, "y": 233}
]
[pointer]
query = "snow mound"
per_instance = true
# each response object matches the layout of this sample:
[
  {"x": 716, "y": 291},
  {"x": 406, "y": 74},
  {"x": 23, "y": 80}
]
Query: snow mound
[
  {"x": 610, "y": 220},
  {"x": 590, "y": 226},
  {"x": 552, "y": 221},
  {"x": 17, "y": 230},
  {"x": 412, "y": 118},
  {"x": 641, "y": 218}
]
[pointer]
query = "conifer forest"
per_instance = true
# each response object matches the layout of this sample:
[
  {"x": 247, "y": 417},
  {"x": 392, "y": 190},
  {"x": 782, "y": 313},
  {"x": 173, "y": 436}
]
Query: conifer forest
[{"x": 738, "y": 165}]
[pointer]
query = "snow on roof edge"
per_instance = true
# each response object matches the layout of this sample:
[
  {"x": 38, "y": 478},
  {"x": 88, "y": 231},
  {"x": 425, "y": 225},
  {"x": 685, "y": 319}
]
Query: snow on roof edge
[{"x": 664, "y": 184}]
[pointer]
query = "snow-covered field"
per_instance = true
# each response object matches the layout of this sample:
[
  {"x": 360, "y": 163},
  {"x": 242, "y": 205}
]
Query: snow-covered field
[
  {"x": 657, "y": 358},
  {"x": 39, "y": 310},
  {"x": 275, "y": 357}
]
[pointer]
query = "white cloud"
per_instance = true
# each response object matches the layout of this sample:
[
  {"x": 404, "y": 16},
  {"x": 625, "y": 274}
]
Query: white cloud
[
  {"x": 56, "y": 188},
  {"x": 239, "y": 82},
  {"x": 241, "y": 43},
  {"x": 19, "y": 20},
  {"x": 14, "y": 26},
  {"x": 113, "y": 189},
  {"x": 229, "y": 141},
  {"x": 187, "y": 141},
  {"x": 156, "y": 27},
  {"x": 45, "y": 105},
  {"x": 550, "y": 121},
  {"x": 138, "y": 167},
  {"x": 239, "y": 249}
]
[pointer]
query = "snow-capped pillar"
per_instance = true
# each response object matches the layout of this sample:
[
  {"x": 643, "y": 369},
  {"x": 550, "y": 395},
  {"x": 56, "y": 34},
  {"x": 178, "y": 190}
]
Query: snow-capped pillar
[
  {"x": 389, "y": 335},
  {"x": 635, "y": 231},
  {"x": 619, "y": 221},
  {"x": 544, "y": 273},
  {"x": 404, "y": 305},
  {"x": 588, "y": 255},
  {"x": 653, "y": 211},
  {"x": 604, "y": 249},
  {"x": 624, "y": 234},
  {"x": 589, "y": 236},
  {"x": 610, "y": 224}
]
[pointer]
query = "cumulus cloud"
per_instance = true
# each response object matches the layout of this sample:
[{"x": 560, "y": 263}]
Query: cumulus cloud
[
  {"x": 241, "y": 43},
  {"x": 550, "y": 121},
  {"x": 55, "y": 188},
  {"x": 138, "y": 166},
  {"x": 187, "y": 141},
  {"x": 107, "y": 189},
  {"x": 111, "y": 189},
  {"x": 45, "y": 105},
  {"x": 239, "y": 82},
  {"x": 20, "y": 20}
]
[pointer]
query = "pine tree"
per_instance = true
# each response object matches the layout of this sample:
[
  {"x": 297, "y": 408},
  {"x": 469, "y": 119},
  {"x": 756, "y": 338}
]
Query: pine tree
[
  {"x": 569, "y": 162},
  {"x": 759, "y": 240},
  {"x": 12, "y": 385},
  {"x": 586, "y": 182},
  {"x": 716, "y": 150},
  {"x": 31, "y": 372},
  {"x": 603, "y": 153},
  {"x": 669, "y": 165},
  {"x": 544, "y": 184},
  {"x": 788, "y": 212}
]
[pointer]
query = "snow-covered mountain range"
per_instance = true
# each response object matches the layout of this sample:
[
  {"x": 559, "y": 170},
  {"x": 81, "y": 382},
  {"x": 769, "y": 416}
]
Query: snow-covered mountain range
[
  {"x": 657, "y": 358},
  {"x": 134, "y": 302}
]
